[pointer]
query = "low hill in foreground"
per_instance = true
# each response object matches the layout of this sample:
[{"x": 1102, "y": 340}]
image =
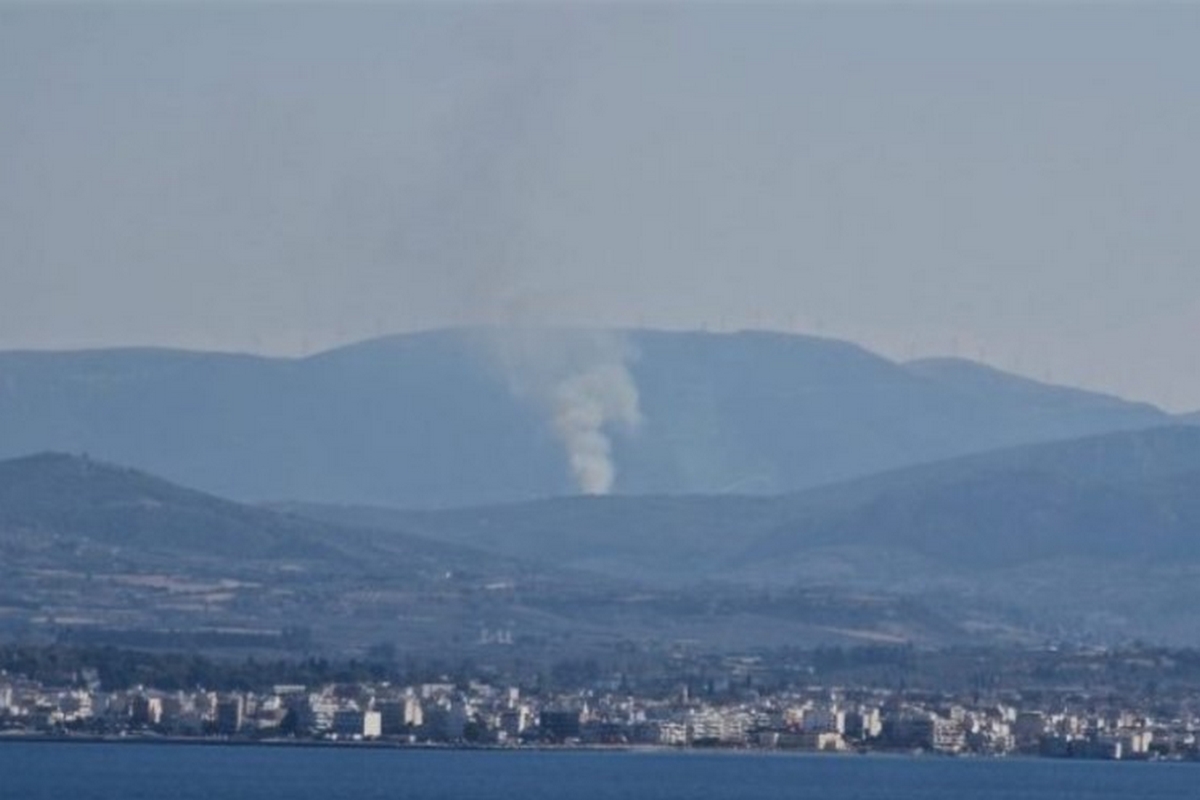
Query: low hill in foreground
[
  {"x": 1106, "y": 527},
  {"x": 97, "y": 553}
]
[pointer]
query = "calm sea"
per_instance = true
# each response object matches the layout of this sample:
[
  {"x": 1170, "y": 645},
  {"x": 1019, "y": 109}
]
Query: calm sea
[{"x": 29, "y": 771}]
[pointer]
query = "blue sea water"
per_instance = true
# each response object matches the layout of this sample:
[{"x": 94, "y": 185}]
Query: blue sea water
[{"x": 32, "y": 771}]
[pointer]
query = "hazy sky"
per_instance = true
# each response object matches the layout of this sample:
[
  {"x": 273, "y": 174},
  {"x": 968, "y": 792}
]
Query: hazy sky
[{"x": 1014, "y": 183}]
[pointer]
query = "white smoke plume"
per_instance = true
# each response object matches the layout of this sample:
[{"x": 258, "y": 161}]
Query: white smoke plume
[
  {"x": 581, "y": 379},
  {"x": 585, "y": 406}
]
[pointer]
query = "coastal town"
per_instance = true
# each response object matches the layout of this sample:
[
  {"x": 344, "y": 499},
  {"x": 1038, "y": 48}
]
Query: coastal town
[{"x": 724, "y": 715}]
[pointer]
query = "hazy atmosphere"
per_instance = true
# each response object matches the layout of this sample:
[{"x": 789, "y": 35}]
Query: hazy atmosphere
[
  {"x": 504, "y": 387},
  {"x": 1013, "y": 184}
]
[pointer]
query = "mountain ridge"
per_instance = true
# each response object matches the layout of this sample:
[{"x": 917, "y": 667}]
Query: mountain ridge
[{"x": 432, "y": 419}]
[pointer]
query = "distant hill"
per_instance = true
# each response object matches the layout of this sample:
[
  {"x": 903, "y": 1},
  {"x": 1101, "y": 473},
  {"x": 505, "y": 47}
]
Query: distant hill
[
  {"x": 431, "y": 420},
  {"x": 1106, "y": 525},
  {"x": 1132, "y": 497},
  {"x": 58, "y": 495},
  {"x": 80, "y": 504}
]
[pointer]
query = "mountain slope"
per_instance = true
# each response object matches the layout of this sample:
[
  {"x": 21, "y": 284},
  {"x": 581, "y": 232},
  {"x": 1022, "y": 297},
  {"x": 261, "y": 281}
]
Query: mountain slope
[
  {"x": 104, "y": 554},
  {"x": 58, "y": 495},
  {"x": 1010, "y": 401},
  {"x": 654, "y": 538},
  {"x": 1115, "y": 495},
  {"x": 1121, "y": 495},
  {"x": 113, "y": 554},
  {"x": 1099, "y": 535},
  {"x": 89, "y": 504},
  {"x": 431, "y": 420}
]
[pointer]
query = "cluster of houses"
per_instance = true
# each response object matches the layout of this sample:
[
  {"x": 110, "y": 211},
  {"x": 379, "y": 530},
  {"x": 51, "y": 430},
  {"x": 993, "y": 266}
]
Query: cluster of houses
[{"x": 480, "y": 714}]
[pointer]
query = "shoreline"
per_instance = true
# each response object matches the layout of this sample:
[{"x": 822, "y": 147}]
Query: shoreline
[
  {"x": 371, "y": 744},
  {"x": 645, "y": 749}
]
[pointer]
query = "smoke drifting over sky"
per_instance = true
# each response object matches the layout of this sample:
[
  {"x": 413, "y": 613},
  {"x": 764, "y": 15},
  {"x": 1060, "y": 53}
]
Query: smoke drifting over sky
[{"x": 1013, "y": 183}]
